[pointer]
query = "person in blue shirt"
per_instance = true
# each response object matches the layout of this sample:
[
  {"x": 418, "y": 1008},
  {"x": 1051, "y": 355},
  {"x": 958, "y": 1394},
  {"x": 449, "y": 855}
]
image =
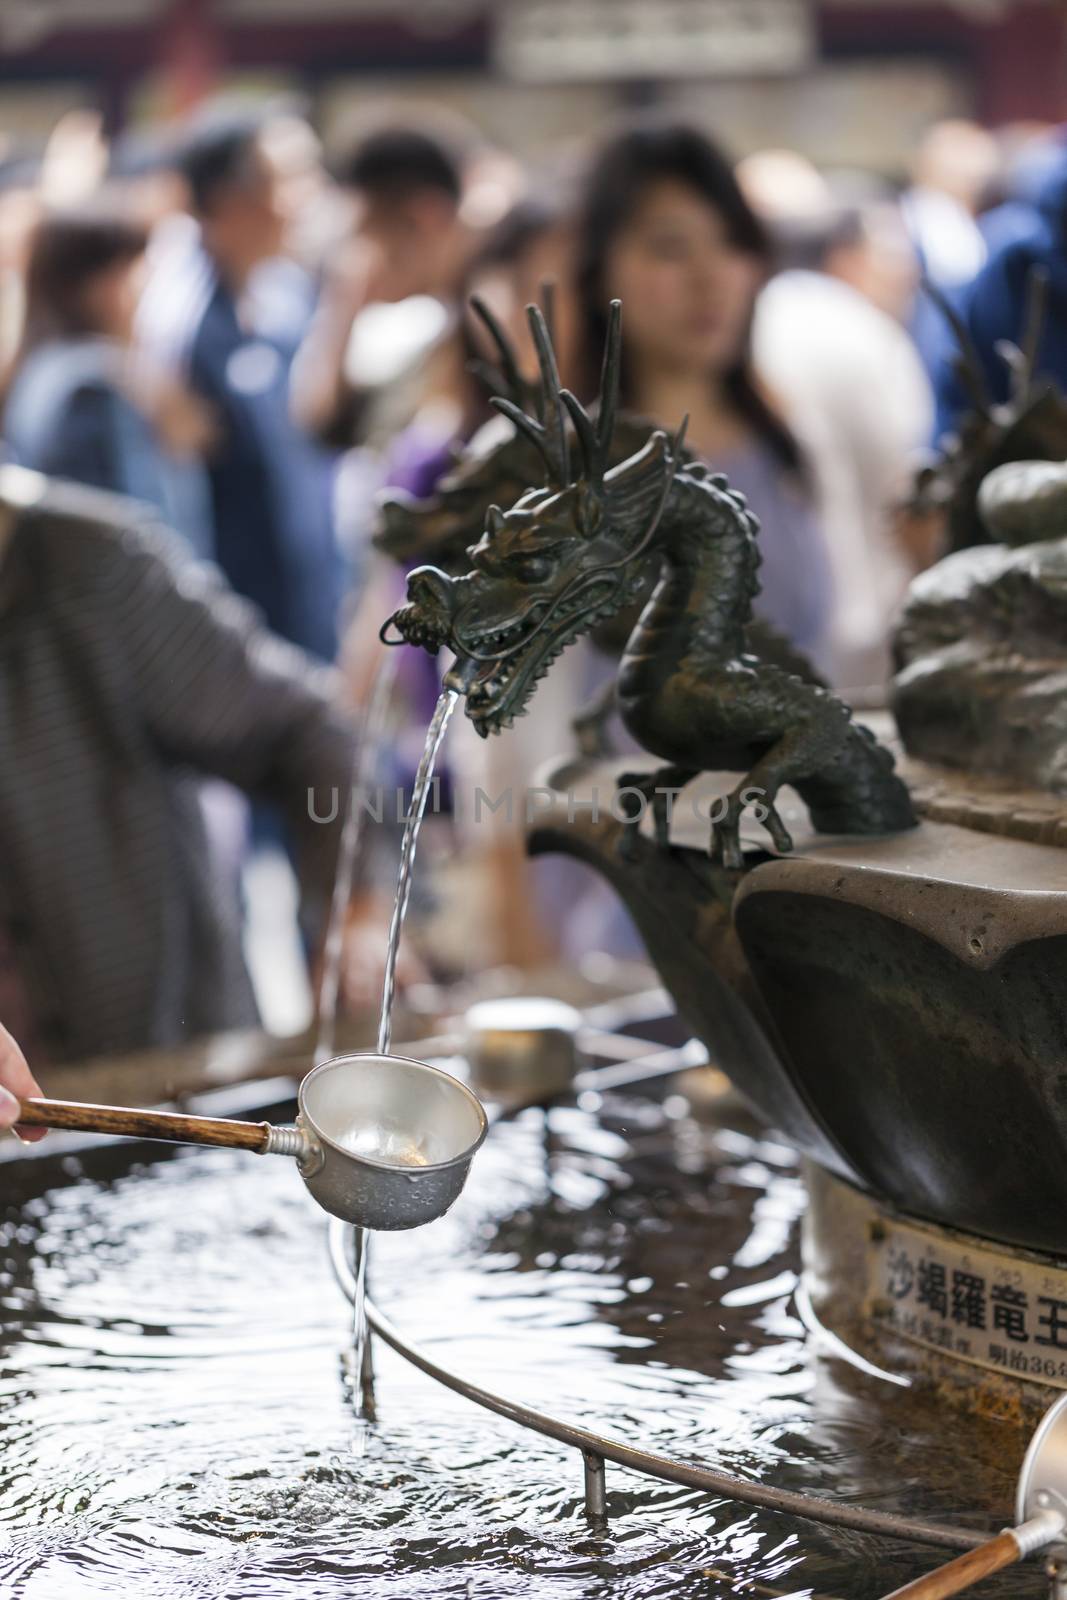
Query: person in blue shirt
[
  {"x": 238, "y": 312},
  {"x": 79, "y": 403},
  {"x": 1029, "y": 234}
]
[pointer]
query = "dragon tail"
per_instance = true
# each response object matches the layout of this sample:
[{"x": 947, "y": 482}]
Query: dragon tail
[{"x": 859, "y": 791}]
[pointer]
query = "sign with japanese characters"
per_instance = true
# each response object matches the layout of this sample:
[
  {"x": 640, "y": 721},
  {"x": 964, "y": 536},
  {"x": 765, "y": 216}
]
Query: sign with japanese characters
[
  {"x": 551, "y": 40},
  {"x": 1003, "y": 1311}
]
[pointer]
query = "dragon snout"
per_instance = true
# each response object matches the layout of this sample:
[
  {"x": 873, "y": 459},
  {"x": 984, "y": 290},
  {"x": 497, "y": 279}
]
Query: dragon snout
[
  {"x": 433, "y": 592},
  {"x": 426, "y": 619}
]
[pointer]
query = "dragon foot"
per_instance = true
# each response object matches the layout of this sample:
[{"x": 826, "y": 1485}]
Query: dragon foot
[
  {"x": 636, "y": 791},
  {"x": 726, "y": 830}
]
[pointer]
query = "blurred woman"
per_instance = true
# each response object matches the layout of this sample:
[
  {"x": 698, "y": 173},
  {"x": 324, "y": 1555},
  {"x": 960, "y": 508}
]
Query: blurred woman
[
  {"x": 78, "y": 406},
  {"x": 663, "y": 226}
]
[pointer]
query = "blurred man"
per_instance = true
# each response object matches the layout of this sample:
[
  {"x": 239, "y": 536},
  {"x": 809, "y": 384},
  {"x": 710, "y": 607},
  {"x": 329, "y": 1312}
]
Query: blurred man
[
  {"x": 129, "y": 672},
  {"x": 410, "y": 244},
  {"x": 954, "y": 174},
  {"x": 955, "y": 168},
  {"x": 233, "y": 318},
  {"x": 994, "y": 305}
]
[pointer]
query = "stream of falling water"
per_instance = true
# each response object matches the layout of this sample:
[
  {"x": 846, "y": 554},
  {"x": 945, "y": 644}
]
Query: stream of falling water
[
  {"x": 419, "y": 795},
  {"x": 364, "y": 768},
  {"x": 446, "y": 704}
]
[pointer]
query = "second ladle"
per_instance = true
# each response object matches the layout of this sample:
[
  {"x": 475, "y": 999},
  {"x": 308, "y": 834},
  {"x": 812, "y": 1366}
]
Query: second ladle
[{"x": 383, "y": 1142}]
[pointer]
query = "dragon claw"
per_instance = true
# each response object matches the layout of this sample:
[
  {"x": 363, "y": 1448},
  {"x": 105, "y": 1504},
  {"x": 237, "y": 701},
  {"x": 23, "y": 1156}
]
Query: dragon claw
[
  {"x": 781, "y": 838},
  {"x": 726, "y": 831},
  {"x": 726, "y": 846}
]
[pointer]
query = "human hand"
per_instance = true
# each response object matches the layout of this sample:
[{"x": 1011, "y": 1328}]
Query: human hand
[
  {"x": 16, "y": 1081},
  {"x": 355, "y": 276}
]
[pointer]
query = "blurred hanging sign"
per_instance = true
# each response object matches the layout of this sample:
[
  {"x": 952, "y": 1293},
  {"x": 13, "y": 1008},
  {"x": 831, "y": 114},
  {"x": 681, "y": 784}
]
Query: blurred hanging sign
[
  {"x": 424, "y": 16},
  {"x": 551, "y": 40},
  {"x": 27, "y": 23}
]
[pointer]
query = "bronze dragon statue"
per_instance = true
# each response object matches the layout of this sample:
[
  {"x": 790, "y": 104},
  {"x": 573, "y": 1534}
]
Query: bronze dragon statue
[
  {"x": 570, "y": 555},
  {"x": 1030, "y": 425},
  {"x": 496, "y": 468}
]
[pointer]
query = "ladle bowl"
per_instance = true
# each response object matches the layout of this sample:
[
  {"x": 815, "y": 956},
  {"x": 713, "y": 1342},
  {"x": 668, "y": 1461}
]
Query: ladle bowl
[
  {"x": 381, "y": 1141},
  {"x": 387, "y": 1141}
]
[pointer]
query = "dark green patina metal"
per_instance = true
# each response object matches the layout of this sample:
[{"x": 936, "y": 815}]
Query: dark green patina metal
[
  {"x": 496, "y": 468},
  {"x": 571, "y": 555},
  {"x": 979, "y": 645}
]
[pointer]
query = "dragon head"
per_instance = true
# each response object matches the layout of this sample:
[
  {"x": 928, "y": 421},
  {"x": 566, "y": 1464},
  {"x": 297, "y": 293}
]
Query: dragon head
[
  {"x": 561, "y": 560},
  {"x": 496, "y": 467}
]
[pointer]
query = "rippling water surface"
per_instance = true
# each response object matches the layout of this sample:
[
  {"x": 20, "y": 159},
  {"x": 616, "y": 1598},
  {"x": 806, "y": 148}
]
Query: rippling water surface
[{"x": 176, "y": 1423}]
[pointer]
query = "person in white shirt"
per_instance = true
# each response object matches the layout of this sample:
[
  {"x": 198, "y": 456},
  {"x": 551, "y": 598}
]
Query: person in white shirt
[{"x": 829, "y": 342}]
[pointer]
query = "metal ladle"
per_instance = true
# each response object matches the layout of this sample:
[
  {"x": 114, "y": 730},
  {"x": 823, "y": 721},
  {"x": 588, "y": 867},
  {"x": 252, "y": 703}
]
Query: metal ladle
[
  {"x": 381, "y": 1141},
  {"x": 1040, "y": 1517}
]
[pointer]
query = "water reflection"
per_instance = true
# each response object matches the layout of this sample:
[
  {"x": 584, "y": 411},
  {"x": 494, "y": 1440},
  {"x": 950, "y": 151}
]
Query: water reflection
[{"x": 174, "y": 1422}]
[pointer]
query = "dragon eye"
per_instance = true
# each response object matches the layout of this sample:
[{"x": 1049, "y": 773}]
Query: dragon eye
[{"x": 532, "y": 569}]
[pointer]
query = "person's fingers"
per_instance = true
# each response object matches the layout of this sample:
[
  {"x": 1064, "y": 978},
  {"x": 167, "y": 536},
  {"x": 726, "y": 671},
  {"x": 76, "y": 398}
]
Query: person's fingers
[
  {"x": 9, "y": 1108},
  {"x": 16, "y": 1082}
]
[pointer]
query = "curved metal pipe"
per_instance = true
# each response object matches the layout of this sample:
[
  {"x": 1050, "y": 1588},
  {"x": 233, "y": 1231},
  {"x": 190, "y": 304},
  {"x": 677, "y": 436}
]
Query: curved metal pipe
[{"x": 666, "y": 1468}]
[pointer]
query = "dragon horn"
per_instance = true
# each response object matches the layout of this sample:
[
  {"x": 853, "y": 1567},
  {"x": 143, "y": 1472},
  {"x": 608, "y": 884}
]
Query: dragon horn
[
  {"x": 679, "y": 438},
  {"x": 553, "y": 406},
  {"x": 609, "y": 387},
  {"x": 509, "y": 366},
  {"x": 494, "y": 519},
  {"x": 533, "y": 430},
  {"x": 588, "y": 441}
]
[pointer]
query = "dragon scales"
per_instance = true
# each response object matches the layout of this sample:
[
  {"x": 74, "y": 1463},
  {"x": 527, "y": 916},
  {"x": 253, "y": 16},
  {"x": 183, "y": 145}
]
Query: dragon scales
[{"x": 569, "y": 556}]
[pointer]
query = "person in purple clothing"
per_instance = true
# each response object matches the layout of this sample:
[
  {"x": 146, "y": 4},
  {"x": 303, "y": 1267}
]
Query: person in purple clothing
[{"x": 664, "y": 227}]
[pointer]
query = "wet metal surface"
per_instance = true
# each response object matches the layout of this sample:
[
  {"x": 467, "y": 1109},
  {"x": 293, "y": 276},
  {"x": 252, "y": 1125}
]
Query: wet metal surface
[{"x": 175, "y": 1422}]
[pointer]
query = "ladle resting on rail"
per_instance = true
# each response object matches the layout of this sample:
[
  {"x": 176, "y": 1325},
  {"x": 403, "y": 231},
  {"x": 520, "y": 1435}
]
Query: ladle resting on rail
[{"x": 380, "y": 1141}]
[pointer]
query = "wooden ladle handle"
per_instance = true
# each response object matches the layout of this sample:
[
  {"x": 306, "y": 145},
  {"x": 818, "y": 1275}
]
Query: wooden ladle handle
[
  {"x": 168, "y": 1125},
  {"x": 963, "y": 1572},
  {"x": 1040, "y": 1531}
]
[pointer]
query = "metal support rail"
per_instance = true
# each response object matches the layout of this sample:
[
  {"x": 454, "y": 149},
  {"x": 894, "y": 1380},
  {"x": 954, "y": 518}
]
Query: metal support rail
[{"x": 595, "y": 1448}]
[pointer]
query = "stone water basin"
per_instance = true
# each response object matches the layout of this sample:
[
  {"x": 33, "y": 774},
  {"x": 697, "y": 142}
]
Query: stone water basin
[{"x": 175, "y": 1421}]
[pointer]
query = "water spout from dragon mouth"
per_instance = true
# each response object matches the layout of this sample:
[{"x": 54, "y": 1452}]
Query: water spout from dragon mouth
[{"x": 462, "y": 674}]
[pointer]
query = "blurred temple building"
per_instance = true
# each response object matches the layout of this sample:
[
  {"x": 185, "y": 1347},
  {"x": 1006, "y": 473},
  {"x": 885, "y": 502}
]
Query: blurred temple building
[{"x": 843, "y": 81}]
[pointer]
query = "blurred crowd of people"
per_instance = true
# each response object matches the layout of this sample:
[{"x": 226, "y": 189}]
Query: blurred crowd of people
[{"x": 250, "y": 341}]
